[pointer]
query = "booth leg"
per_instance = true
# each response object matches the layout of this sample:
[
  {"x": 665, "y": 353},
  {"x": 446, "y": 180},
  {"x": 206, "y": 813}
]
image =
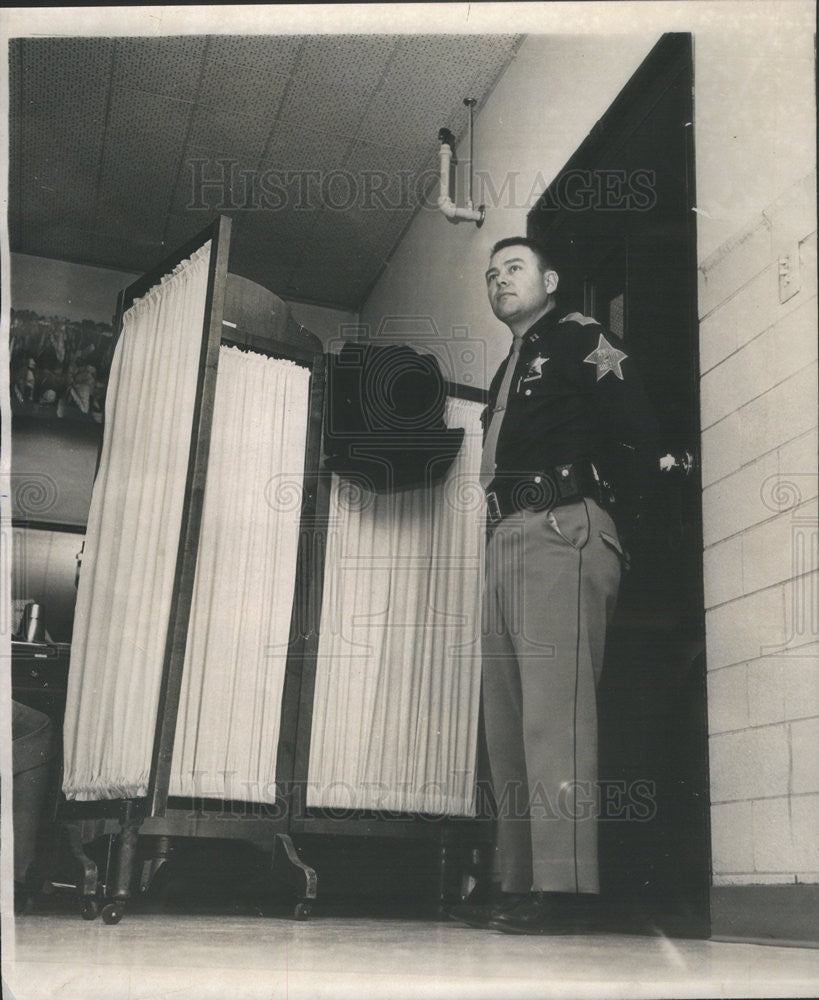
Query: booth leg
[
  {"x": 130, "y": 823},
  {"x": 160, "y": 854},
  {"x": 463, "y": 866},
  {"x": 287, "y": 863},
  {"x": 87, "y": 885}
]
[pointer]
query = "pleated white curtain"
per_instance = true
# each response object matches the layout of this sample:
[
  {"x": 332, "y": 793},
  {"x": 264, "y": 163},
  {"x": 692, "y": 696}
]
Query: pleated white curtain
[
  {"x": 395, "y": 712},
  {"x": 125, "y": 587},
  {"x": 228, "y": 724}
]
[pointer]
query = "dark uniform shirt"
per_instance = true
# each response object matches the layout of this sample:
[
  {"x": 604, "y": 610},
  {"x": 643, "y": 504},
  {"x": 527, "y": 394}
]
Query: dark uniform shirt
[{"x": 575, "y": 395}]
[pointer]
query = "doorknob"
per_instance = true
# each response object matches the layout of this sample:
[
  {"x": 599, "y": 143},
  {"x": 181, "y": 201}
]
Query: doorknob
[{"x": 680, "y": 463}]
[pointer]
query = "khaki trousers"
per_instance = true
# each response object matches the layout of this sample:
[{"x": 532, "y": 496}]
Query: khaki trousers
[{"x": 551, "y": 586}]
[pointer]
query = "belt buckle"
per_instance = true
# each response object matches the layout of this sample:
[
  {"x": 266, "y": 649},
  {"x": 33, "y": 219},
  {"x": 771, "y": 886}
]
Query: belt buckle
[{"x": 493, "y": 510}]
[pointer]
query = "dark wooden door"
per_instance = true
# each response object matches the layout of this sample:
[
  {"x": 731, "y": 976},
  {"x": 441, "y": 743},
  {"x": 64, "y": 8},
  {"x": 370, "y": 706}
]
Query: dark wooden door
[{"x": 619, "y": 219}]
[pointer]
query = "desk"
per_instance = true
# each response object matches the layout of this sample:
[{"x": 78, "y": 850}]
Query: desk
[{"x": 39, "y": 678}]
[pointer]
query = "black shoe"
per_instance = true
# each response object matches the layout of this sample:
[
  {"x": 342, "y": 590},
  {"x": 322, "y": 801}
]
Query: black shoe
[
  {"x": 535, "y": 914},
  {"x": 481, "y": 914},
  {"x": 471, "y": 914}
]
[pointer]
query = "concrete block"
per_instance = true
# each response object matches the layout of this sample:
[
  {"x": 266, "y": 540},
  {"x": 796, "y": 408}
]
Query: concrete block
[
  {"x": 802, "y": 608},
  {"x": 722, "y": 570},
  {"x": 792, "y": 216},
  {"x": 721, "y": 448},
  {"x": 739, "y": 319},
  {"x": 740, "y": 378},
  {"x": 805, "y": 757},
  {"x": 780, "y": 351},
  {"x": 771, "y": 553},
  {"x": 778, "y": 416},
  {"x": 772, "y": 845},
  {"x": 804, "y": 841},
  {"x": 750, "y": 764},
  {"x": 807, "y": 266},
  {"x": 746, "y": 629},
  {"x": 798, "y": 464},
  {"x": 754, "y": 308},
  {"x": 734, "y": 264},
  {"x": 732, "y": 848},
  {"x": 728, "y": 699},
  {"x": 767, "y": 691},
  {"x": 794, "y": 342},
  {"x": 801, "y": 678},
  {"x": 736, "y": 502}
]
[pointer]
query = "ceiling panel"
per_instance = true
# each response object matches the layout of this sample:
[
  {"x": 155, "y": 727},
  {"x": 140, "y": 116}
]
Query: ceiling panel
[
  {"x": 248, "y": 74},
  {"x": 65, "y": 72},
  {"x": 139, "y": 175},
  {"x": 315, "y": 145},
  {"x": 170, "y": 67},
  {"x": 302, "y": 147},
  {"x": 354, "y": 64},
  {"x": 230, "y": 133}
]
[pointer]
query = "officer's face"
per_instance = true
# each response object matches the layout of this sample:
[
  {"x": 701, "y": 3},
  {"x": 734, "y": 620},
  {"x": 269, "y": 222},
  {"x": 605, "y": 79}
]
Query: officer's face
[{"x": 519, "y": 291}]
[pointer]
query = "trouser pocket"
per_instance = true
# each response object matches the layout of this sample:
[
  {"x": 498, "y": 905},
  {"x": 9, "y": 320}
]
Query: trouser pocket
[
  {"x": 613, "y": 542},
  {"x": 571, "y": 522}
]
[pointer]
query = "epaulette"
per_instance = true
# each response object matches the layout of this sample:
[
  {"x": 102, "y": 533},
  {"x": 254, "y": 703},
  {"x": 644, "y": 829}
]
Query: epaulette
[{"x": 579, "y": 318}]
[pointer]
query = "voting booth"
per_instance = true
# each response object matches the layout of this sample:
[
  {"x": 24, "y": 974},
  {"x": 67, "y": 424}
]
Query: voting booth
[{"x": 254, "y": 627}]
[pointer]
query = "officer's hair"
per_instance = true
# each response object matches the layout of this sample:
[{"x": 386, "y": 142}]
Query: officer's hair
[{"x": 544, "y": 260}]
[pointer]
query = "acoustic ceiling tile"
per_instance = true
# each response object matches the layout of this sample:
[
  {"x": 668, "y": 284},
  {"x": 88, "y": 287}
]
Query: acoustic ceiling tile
[
  {"x": 388, "y": 179},
  {"x": 65, "y": 72},
  {"x": 248, "y": 73},
  {"x": 145, "y": 192},
  {"x": 334, "y": 80},
  {"x": 215, "y": 181},
  {"x": 170, "y": 66},
  {"x": 152, "y": 117},
  {"x": 181, "y": 228},
  {"x": 62, "y": 155},
  {"x": 300, "y": 148},
  {"x": 282, "y": 237},
  {"x": 427, "y": 82},
  {"x": 321, "y": 198},
  {"x": 229, "y": 133}
]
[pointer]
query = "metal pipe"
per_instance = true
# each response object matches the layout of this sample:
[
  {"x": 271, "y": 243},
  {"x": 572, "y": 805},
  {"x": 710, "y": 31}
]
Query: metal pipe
[
  {"x": 470, "y": 102},
  {"x": 445, "y": 202}
]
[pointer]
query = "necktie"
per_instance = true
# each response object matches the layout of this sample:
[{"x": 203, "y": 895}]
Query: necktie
[{"x": 491, "y": 443}]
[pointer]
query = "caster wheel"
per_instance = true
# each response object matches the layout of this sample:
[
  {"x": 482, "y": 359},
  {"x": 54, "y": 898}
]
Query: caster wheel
[
  {"x": 89, "y": 910},
  {"x": 112, "y": 913},
  {"x": 302, "y": 911}
]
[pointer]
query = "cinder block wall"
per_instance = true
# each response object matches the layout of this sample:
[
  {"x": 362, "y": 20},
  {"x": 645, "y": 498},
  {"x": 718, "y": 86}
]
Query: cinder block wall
[{"x": 758, "y": 347}]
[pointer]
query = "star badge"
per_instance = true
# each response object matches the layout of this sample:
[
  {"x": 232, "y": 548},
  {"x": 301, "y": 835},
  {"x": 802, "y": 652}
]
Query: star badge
[
  {"x": 536, "y": 365},
  {"x": 607, "y": 359}
]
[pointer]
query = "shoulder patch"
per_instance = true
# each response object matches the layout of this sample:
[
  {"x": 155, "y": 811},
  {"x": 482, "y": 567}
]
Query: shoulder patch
[
  {"x": 606, "y": 358},
  {"x": 579, "y": 318}
]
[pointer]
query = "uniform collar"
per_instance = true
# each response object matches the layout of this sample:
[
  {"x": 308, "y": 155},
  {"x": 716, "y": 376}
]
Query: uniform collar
[{"x": 541, "y": 327}]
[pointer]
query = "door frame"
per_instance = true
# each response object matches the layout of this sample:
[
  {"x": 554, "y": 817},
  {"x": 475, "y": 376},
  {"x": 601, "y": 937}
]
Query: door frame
[{"x": 670, "y": 56}]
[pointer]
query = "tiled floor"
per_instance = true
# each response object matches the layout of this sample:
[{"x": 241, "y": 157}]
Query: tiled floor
[{"x": 153, "y": 956}]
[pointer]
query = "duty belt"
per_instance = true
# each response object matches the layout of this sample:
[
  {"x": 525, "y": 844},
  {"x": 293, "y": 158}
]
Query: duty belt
[{"x": 509, "y": 493}]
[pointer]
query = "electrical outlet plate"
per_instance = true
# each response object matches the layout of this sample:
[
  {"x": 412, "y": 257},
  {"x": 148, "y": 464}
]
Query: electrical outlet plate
[{"x": 788, "y": 264}]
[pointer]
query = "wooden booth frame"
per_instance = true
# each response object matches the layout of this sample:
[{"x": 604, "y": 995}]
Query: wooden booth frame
[{"x": 145, "y": 827}]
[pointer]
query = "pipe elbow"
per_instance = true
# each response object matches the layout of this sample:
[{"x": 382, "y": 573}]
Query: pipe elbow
[
  {"x": 447, "y": 206},
  {"x": 455, "y": 214}
]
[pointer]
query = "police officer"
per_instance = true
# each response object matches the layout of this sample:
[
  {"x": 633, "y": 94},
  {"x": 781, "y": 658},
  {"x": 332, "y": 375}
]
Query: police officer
[{"x": 564, "y": 398}]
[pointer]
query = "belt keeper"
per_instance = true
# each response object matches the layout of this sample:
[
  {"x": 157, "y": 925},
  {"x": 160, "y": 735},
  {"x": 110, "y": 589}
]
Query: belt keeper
[
  {"x": 493, "y": 508},
  {"x": 566, "y": 485}
]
